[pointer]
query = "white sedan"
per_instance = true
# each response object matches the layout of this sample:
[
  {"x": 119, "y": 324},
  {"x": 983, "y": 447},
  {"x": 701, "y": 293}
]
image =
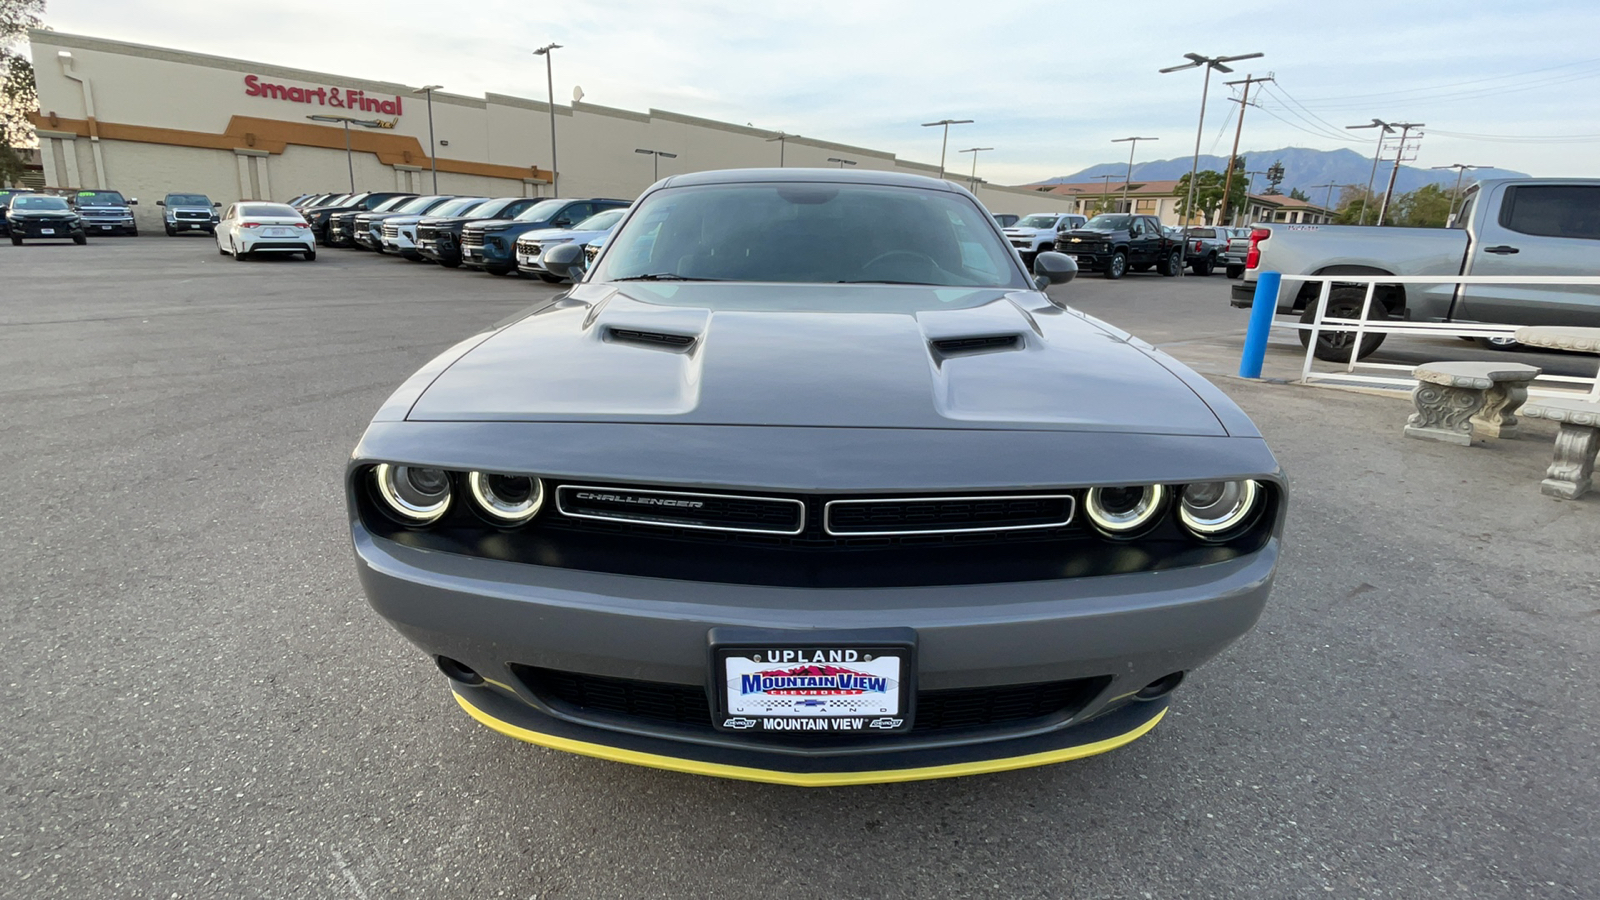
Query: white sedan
[{"x": 249, "y": 227}]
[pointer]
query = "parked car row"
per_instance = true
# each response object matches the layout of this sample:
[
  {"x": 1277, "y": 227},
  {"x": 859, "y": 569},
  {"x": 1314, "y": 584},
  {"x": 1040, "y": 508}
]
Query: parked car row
[
  {"x": 103, "y": 212},
  {"x": 498, "y": 235}
]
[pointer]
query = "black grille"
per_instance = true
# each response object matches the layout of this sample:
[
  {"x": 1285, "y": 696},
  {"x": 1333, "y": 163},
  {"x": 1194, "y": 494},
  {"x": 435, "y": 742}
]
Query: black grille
[
  {"x": 948, "y": 514},
  {"x": 683, "y": 704},
  {"x": 651, "y": 337},
  {"x": 966, "y": 344},
  {"x": 721, "y": 512}
]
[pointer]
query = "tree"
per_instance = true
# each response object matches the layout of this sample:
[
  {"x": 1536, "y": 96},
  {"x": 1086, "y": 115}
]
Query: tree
[
  {"x": 1426, "y": 207},
  {"x": 1350, "y": 205},
  {"x": 1297, "y": 194},
  {"x": 1208, "y": 194},
  {"x": 19, "y": 94}
]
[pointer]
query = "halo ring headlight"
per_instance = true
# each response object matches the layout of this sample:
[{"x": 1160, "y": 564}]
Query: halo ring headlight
[
  {"x": 1212, "y": 509},
  {"x": 418, "y": 495},
  {"x": 506, "y": 499},
  {"x": 1120, "y": 511}
]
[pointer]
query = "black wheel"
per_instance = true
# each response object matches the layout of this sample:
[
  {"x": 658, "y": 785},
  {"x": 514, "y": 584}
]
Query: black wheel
[
  {"x": 1171, "y": 265},
  {"x": 1344, "y": 303},
  {"x": 16, "y": 241},
  {"x": 311, "y": 256},
  {"x": 450, "y": 263},
  {"x": 1234, "y": 271},
  {"x": 1117, "y": 266},
  {"x": 80, "y": 239},
  {"x": 547, "y": 278},
  {"x": 1497, "y": 343},
  {"x": 133, "y": 232},
  {"x": 171, "y": 232},
  {"x": 498, "y": 271},
  {"x": 237, "y": 255},
  {"x": 1202, "y": 267}
]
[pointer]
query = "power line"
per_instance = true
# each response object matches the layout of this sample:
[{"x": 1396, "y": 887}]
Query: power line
[
  {"x": 1319, "y": 134},
  {"x": 1278, "y": 88},
  {"x": 1523, "y": 138},
  {"x": 1384, "y": 94},
  {"x": 1421, "y": 96}
]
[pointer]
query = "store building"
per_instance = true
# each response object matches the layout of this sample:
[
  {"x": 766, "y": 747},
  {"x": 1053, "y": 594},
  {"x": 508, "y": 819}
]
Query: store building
[{"x": 148, "y": 120}]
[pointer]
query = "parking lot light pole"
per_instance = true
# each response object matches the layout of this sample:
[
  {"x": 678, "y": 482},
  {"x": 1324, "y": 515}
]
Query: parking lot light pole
[
  {"x": 973, "y": 184},
  {"x": 433, "y": 147},
  {"x": 1209, "y": 63},
  {"x": 782, "y": 137},
  {"x": 1456, "y": 194},
  {"x": 946, "y": 143},
  {"x": 550, "y": 88},
  {"x": 1133, "y": 144},
  {"x": 349, "y": 157},
  {"x": 656, "y": 160},
  {"x": 842, "y": 162}
]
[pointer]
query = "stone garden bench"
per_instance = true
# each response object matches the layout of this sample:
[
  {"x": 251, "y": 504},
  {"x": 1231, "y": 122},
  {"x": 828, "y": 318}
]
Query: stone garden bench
[
  {"x": 1455, "y": 398},
  {"x": 1577, "y": 442}
]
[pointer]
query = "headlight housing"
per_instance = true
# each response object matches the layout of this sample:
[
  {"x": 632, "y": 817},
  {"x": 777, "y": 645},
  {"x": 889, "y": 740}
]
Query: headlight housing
[
  {"x": 416, "y": 495},
  {"x": 506, "y": 499},
  {"x": 1214, "y": 510},
  {"x": 1124, "y": 511}
]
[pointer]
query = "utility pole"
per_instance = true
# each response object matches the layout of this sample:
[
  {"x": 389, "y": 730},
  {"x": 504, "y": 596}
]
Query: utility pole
[
  {"x": 1207, "y": 63},
  {"x": 1133, "y": 144},
  {"x": 1238, "y": 131},
  {"x": 1376, "y": 156},
  {"x": 1460, "y": 171},
  {"x": 1388, "y": 194},
  {"x": 550, "y": 88},
  {"x": 1105, "y": 190},
  {"x": 945, "y": 145}
]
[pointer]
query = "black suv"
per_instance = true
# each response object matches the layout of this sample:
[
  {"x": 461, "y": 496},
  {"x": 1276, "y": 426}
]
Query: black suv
[
  {"x": 5, "y": 199},
  {"x": 318, "y": 217},
  {"x": 439, "y": 237},
  {"x": 42, "y": 216},
  {"x": 1113, "y": 243},
  {"x": 491, "y": 245},
  {"x": 342, "y": 225}
]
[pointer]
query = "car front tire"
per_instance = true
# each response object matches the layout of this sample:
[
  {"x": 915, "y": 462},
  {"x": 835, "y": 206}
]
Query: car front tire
[
  {"x": 16, "y": 241},
  {"x": 1117, "y": 266},
  {"x": 80, "y": 239},
  {"x": 1170, "y": 266},
  {"x": 238, "y": 255}
]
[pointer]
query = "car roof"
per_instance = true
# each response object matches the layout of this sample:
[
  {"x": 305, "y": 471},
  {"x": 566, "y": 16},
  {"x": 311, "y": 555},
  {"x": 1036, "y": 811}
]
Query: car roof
[{"x": 802, "y": 176}]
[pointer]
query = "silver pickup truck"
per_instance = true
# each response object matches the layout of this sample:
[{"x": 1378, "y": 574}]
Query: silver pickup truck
[{"x": 1511, "y": 226}]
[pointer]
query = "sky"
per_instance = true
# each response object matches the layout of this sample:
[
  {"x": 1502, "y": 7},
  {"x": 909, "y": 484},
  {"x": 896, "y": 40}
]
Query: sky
[{"x": 1513, "y": 85}]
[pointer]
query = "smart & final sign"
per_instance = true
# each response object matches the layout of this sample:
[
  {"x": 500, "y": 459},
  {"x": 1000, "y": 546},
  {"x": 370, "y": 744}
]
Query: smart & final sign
[{"x": 348, "y": 98}]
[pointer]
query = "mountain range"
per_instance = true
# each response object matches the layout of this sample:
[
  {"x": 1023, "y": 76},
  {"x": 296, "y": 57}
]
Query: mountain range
[{"x": 1303, "y": 168}]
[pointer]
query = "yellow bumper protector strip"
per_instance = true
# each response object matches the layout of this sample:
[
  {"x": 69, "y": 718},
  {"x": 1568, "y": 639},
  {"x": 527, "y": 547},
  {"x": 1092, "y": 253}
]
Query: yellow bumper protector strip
[{"x": 805, "y": 779}]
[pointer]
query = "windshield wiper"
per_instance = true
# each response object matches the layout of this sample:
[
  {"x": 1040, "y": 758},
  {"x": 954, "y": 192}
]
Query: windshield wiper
[
  {"x": 665, "y": 276},
  {"x": 886, "y": 281}
]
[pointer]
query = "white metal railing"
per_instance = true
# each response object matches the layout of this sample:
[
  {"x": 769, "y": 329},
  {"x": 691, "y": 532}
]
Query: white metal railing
[{"x": 1589, "y": 387}]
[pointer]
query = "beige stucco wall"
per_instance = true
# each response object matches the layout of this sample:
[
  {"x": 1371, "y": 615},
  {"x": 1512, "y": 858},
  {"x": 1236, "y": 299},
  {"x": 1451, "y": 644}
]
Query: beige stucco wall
[{"x": 161, "y": 88}]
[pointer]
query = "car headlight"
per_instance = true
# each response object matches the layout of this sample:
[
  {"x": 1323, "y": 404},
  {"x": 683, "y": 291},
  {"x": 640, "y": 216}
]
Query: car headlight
[
  {"x": 418, "y": 495},
  {"x": 506, "y": 499},
  {"x": 1123, "y": 510},
  {"x": 1213, "y": 509}
]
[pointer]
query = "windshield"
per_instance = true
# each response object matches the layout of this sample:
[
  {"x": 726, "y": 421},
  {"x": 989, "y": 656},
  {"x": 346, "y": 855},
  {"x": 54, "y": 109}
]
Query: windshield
[
  {"x": 335, "y": 200},
  {"x": 1109, "y": 223},
  {"x": 37, "y": 201},
  {"x": 100, "y": 198},
  {"x": 1038, "y": 222},
  {"x": 393, "y": 203},
  {"x": 603, "y": 221},
  {"x": 457, "y": 207},
  {"x": 188, "y": 200},
  {"x": 267, "y": 210},
  {"x": 492, "y": 208},
  {"x": 541, "y": 211},
  {"x": 811, "y": 234}
]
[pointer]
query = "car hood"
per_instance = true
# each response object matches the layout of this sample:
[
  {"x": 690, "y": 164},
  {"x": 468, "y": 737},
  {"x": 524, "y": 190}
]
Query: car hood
[
  {"x": 561, "y": 234},
  {"x": 43, "y": 213},
  {"x": 1027, "y": 232},
  {"x": 105, "y": 209},
  {"x": 194, "y": 208},
  {"x": 1092, "y": 232},
  {"x": 494, "y": 223},
  {"x": 792, "y": 355}
]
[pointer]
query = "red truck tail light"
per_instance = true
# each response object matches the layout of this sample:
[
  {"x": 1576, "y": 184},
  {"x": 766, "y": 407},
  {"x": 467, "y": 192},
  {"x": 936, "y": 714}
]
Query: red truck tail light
[
  {"x": 1197, "y": 246},
  {"x": 1257, "y": 235}
]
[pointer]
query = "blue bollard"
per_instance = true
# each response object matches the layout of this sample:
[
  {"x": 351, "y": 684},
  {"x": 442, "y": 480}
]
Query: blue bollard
[{"x": 1261, "y": 312}]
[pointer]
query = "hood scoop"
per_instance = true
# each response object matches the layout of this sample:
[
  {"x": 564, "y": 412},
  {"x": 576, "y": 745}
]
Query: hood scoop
[
  {"x": 662, "y": 339},
  {"x": 977, "y": 343}
]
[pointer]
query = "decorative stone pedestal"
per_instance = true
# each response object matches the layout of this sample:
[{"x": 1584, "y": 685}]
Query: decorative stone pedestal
[
  {"x": 1571, "y": 473},
  {"x": 1455, "y": 398}
]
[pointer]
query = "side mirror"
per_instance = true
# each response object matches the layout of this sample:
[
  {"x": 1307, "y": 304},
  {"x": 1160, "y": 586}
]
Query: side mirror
[
  {"x": 216, "y": 204},
  {"x": 1051, "y": 267},
  {"x": 565, "y": 260},
  {"x": 134, "y": 202},
  {"x": 161, "y": 203}
]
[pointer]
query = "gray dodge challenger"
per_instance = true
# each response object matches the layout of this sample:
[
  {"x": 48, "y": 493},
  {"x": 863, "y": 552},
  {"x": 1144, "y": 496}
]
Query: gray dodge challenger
[{"x": 808, "y": 481}]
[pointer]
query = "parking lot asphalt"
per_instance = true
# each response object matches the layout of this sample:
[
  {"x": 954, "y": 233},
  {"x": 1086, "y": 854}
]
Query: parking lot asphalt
[{"x": 199, "y": 703}]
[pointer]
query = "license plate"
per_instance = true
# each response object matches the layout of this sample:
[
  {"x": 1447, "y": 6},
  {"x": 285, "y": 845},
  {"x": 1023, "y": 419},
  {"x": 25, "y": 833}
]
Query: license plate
[
  {"x": 830, "y": 686},
  {"x": 47, "y": 231},
  {"x": 280, "y": 232},
  {"x": 105, "y": 227},
  {"x": 524, "y": 259},
  {"x": 471, "y": 254}
]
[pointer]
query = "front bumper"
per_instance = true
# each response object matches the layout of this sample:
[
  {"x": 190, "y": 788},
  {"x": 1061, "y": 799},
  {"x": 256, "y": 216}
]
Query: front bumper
[
  {"x": 191, "y": 224},
  {"x": 488, "y": 256},
  {"x": 1125, "y": 630},
  {"x": 1088, "y": 261},
  {"x": 36, "y": 231},
  {"x": 110, "y": 226}
]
